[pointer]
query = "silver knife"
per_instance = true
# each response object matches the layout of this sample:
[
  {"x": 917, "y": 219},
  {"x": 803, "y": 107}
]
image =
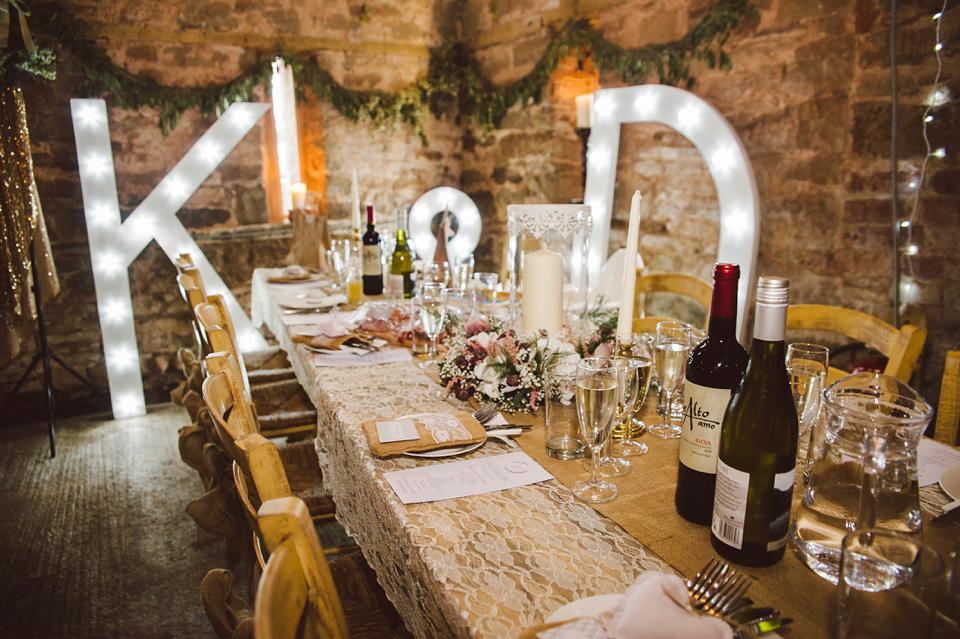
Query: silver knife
[{"x": 950, "y": 514}]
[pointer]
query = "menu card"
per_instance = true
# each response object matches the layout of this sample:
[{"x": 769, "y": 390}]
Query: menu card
[
  {"x": 465, "y": 478},
  {"x": 934, "y": 458}
]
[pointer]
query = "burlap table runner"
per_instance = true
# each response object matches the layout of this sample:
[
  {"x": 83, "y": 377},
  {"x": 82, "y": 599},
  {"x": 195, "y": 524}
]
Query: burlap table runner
[{"x": 644, "y": 508}]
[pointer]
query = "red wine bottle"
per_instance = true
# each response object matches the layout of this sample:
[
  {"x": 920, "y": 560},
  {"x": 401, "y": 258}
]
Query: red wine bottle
[
  {"x": 372, "y": 267},
  {"x": 714, "y": 369}
]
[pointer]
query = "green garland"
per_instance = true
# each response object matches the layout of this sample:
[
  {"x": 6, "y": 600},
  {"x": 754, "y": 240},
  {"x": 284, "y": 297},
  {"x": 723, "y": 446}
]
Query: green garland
[{"x": 453, "y": 83}]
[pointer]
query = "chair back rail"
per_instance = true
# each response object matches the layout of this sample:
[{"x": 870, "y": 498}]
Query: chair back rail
[
  {"x": 902, "y": 347},
  {"x": 948, "y": 410},
  {"x": 296, "y": 596},
  {"x": 689, "y": 286}
]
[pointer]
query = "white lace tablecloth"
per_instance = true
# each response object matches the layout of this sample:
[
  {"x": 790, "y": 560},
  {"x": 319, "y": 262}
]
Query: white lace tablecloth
[{"x": 483, "y": 566}]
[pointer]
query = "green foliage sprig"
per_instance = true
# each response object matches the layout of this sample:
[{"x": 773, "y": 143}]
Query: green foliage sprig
[{"x": 453, "y": 84}]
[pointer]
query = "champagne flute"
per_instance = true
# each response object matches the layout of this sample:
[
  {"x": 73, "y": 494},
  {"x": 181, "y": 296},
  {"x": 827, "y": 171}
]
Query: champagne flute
[
  {"x": 807, "y": 370},
  {"x": 671, "y": 348},
  {"x": 597, "y": 400},
  {"x": 636, "y": 347},
  {"x": 432, "y": 302},
  {"x": 628, "y": 391}
]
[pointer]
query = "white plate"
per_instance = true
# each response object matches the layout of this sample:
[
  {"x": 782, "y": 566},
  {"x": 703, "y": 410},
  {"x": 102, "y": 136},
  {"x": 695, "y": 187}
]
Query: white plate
[
  {"x": 950, "y": 482},
  {"x": 452, "y": 451},
  {"x": 587, "y": 607}
]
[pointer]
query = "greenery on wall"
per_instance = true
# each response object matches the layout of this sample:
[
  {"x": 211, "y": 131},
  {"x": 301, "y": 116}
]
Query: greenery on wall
[{"x": 454, "y": 83}]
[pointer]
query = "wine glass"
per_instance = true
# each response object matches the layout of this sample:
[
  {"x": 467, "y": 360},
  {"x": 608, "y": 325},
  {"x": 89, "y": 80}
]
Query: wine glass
[
  {"x": 432, "y": 302},
  {"x": 671, "y": 347},
  {"x": 436, "y": 272},
  {"x": 339, "y": 255},
  {"x": 628, "y": 391},
  {"x": 597, "y": 400},
  {"x": 807, "y": 369},
  {"x": 630, "y": 426}
]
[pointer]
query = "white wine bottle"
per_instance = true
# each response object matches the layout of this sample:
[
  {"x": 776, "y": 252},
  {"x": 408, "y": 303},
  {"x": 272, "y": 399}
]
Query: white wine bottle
[
  {"x": 714, "y": 369},
  {"x": 401, "y": 262},
  {"x": 757, "y": 456}
]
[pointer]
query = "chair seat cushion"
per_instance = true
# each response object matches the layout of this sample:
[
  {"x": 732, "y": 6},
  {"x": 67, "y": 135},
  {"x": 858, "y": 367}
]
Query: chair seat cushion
[
  {"x": 271, "y": 357},
  {"x": 280, "y": 396},
  {"x": 302, "y": 468},
  {"x": 366, "y": 608}
]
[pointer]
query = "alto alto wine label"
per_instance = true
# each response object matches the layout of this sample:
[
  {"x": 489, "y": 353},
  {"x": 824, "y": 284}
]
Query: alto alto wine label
[{"x": 702, "y": 417}]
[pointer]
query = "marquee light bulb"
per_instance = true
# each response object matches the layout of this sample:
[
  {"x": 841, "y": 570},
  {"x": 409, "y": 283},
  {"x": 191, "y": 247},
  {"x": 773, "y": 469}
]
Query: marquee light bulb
[
  {"x": 121, "y": 357},
  {"x": 128, "y": 405},
  {"x": 597, "y": 159},
  {"x": 736, "y": 222},
  {"x": 114, "y": 310},
  {"x": 645, "y": 105},
  {"x": 722, "y": 159},
  {"x": 102, "y": 214},
  {"x": 688, "y": 117},
  {"x": 209, "y": 152},
  {"x": 603, "y": 107},
  {"x": 90, "y": 116},
  {"x": 108, "y": 263},
  {"x": 97, "y": 164}
]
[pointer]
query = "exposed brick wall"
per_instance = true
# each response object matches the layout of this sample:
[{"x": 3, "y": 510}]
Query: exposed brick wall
[{"x": 808, "y": 94}]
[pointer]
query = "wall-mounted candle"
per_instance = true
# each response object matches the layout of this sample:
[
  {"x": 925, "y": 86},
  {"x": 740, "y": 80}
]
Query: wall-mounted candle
[
  {"x": 298, "y": 192},
  {"x": 542, "y": 304},
  {"x": 629, "y": 282},
  {"x": 584, "y": 111}
]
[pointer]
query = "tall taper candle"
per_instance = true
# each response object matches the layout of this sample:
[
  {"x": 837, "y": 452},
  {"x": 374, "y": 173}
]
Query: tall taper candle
[
  {"x": 542, "y": 291},
  {"x": 628, "y": 286},
  {"x": 355, "y": 203},
  {"x": 298, "y": 192}
]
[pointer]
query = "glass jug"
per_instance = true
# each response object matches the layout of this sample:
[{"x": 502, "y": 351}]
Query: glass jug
[{"x": 864, "y": 471}]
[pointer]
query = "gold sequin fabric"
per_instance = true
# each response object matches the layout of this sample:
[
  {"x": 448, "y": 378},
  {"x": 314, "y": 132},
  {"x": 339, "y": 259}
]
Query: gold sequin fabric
[{"x": 18, "y": 206}]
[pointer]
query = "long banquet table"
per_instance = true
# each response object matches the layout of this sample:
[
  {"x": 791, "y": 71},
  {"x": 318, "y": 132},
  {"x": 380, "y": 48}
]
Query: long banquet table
[{"x": 493, "y": 565}]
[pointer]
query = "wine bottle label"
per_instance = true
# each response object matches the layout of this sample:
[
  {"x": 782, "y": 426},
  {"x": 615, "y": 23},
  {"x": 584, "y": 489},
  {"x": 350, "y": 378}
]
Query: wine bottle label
[
  {"x": 395, "y": 286},
  {"x": 730, "y": 504},
  {"x": 700, "y": 435},
  {"x": 371, "y": 260},
  {"x": 782, "y": 500}
]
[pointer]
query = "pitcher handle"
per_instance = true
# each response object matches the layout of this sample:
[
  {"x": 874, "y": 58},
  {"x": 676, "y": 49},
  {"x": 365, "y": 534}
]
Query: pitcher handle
[{"x": 874, "y": 464}]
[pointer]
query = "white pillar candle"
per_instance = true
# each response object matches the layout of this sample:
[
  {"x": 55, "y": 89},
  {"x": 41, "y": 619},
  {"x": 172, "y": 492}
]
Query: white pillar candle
[
  {"x": 584, "y": 110},
  {"x": 629, "y": 283},
  {"x": 298, "y": 192},
  {"x": 542, "y": 291},
  {"x": 355, "y": 202}
]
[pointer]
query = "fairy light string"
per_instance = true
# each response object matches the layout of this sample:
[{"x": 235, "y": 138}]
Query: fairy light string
[{"x": 937, "y": 97}]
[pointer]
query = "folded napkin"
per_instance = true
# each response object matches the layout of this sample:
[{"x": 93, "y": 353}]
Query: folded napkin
[
  {"x": 656, "y": 606},
  {"x": 422, "y": 432},
  {"x": 332, "y": 343},
  {"x": 290, "y": 274}
]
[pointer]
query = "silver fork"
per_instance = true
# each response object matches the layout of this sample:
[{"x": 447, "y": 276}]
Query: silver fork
[
  {"x": 717, "y": 588},
  {"x": 485, "y": 413}
]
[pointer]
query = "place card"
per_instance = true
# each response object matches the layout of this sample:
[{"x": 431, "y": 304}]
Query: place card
[
  {"x": 465, "y": 478},
  {"x": 397, "y": 430},
  {"x": 383, "y": 356}
]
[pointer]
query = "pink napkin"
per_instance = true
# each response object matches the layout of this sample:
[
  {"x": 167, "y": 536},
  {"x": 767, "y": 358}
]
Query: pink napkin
[{"x": 656, "y": 606}]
